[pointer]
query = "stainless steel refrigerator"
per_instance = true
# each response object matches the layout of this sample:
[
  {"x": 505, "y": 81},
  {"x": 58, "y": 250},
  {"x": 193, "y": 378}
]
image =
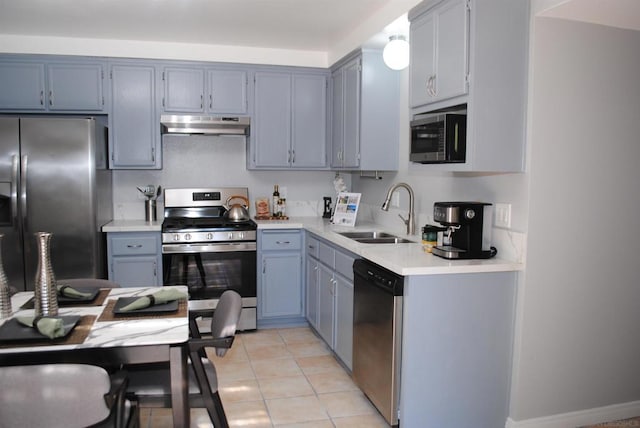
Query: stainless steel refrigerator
[{"x": 54, "y": 178}]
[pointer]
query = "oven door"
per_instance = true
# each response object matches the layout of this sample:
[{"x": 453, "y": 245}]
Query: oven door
[{"x": 210, "y": 269}]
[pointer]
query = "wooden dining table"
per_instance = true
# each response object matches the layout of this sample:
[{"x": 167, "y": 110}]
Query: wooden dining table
[{"x": 110, "y": 340}]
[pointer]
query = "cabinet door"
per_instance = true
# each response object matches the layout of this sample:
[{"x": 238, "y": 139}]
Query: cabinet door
[
  {"x": 351, "y": 114},
  {"x": 337, "y": 119},
  {"x": 326, "y": 308},
  {"x": 227, "y": 91},
  {"x": 138, "y": 271},
  {"x": 22, "y": 86},
  {"x": 344, "y": 319},
  {"x": 135, "y": 127},
  {"x": 272, "y": 119},
  {"x": 281, "y": 285},
  {"x": 75, "y": 86},
  {"x": 183, "y": 90},
  {"x": 422, "y": 58},
  {"x": 451, "y": 72},
  {"x": 312, "y": 292},
  {"x": 309, "y": 121}
]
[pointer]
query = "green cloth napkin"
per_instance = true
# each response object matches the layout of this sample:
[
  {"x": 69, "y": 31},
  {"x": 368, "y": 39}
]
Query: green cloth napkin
[
  {"x": 158, "y": 298},
  {"x": 48, "y": 326},
  {"x": 66, "y": 291}
]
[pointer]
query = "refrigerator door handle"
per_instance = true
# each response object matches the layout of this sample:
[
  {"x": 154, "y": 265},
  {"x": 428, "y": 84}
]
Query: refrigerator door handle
[
  {"x": 23, "y": 191},
  {"x": 14, "y": 191}
]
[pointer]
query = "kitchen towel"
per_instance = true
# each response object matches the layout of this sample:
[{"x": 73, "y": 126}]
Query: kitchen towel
[
  {"x": 48, "y": 326},
  {"x": 158, "y": 298}
]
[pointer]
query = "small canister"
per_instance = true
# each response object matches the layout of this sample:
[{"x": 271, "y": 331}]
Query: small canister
[
  {"x": 150, "y": 213},
  {"x": 430, "y": 235}
]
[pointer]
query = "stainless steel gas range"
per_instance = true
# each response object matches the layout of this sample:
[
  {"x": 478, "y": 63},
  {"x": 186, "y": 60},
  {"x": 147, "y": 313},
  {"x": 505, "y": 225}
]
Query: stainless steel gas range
[{"x": 207, "y": 251}]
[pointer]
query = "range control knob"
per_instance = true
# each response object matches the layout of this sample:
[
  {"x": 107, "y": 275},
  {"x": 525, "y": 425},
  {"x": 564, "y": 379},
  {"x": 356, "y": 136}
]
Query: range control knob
[
  {"x": 187, "y": 236},
  {"x": 176, "y": 237},
  {"x": 209, "y": 236},
  {"x": 469, "y": 214}
]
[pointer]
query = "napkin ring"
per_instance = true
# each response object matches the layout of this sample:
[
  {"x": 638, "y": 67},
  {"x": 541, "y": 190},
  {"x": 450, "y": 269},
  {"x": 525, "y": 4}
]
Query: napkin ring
[{"x": 152, "y": 300}]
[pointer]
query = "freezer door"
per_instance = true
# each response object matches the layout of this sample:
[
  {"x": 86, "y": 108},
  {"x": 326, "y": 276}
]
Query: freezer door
[
  {"x": 10, "y": 223},
  {"x": 58, "y": 194}
]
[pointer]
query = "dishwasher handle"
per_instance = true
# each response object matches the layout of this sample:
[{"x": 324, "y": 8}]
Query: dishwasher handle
[{"x": 378, "y": 276}]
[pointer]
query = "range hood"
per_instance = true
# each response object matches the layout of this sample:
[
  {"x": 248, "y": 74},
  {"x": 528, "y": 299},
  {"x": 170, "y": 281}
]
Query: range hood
[{"x": 209, "y": 125}]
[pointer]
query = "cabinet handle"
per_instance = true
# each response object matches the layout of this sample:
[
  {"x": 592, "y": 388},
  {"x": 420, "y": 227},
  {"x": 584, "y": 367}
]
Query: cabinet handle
[
  {"x": 155, "y": 269},
  {"x": 293, "y": 156},
  {"x": 283, "y": 242},
  {"x": 134, "y": 246},
  {"x": 264, "y": 266},
  {"x": 311, "y": 246},
  {"x": 210, "y": 101},
  {"x": 201, "y": 101},
  {"x": 41, "y": 98}
]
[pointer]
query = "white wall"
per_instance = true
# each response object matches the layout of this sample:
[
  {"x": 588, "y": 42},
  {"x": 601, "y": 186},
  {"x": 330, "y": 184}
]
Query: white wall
[{"x": 578, "y": 341}]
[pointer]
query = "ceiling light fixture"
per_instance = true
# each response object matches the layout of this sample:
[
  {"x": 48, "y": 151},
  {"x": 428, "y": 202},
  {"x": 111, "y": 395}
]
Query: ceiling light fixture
[{"x": 396, "y": 53}]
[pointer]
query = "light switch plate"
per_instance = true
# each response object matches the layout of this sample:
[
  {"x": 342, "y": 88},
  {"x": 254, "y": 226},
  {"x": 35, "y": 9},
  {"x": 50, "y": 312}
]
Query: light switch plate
[{"x": 503, "y": 216}]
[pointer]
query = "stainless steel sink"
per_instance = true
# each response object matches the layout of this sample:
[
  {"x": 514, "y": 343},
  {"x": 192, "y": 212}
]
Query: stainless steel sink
[
  {"x": 382, "y": 240},
  {"x": 367, "y": 235},
  {"x": 374, "y": 237}
]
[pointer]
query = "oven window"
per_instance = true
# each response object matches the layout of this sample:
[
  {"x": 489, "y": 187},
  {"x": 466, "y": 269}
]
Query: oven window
[{"x": 208, "y": 275}]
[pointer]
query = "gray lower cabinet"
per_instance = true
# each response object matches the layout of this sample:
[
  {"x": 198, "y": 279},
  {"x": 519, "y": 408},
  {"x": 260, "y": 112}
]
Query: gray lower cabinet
[
  {"x": 280, "y": 291},
  {"x": 135, "y": 258},
  {"x": 289, "y": 130},
  {"x": 58, "y": 86},
  {"x": 330, "y": 295},
  {"x": 134, "y": 121}
]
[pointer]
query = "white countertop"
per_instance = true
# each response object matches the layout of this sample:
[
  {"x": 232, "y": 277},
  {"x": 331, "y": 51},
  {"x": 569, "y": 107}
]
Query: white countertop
[
  {"x": 132, "y": 226},
  {"x": 403, "y": 259}
]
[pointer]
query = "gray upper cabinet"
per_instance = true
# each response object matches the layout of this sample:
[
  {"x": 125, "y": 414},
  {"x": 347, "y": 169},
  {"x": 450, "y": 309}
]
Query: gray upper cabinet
[
  {"x": 75, "y": 86},
  {"x": 200, "y": 90},
  {"x": 60, "y": 86},
  {"x": 133, "y": 120},
  {"x": 365, "y": 113},
  {"x": 439, "y": 47},
  {"x": 289, "y": 128},
  {"x": 474, "y": 53}
]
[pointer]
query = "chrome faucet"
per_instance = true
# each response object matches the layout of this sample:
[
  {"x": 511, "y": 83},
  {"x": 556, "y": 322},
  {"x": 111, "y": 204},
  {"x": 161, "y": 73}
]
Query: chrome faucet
[{"x": 410, "y": 220}]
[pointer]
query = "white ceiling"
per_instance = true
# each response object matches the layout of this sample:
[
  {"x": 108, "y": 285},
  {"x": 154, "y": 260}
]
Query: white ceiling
[
  {"x": 307, "y": 25},
  {"x": 613, "y": 13}
]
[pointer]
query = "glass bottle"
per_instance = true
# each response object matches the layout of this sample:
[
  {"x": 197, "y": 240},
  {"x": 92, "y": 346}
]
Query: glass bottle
[
  {"x": 5, "y": 298},
  {"x": 275, "y": 201},
  {"x": 46, "y": 299}
]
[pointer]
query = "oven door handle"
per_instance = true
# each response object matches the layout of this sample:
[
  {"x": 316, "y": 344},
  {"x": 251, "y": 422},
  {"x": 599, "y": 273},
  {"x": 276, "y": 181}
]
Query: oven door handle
[{"x": 208, "y": 248}]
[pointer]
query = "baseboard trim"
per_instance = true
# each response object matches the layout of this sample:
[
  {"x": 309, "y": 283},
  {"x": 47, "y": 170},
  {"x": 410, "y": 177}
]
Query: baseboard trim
[{"x": 584, "y": 417}]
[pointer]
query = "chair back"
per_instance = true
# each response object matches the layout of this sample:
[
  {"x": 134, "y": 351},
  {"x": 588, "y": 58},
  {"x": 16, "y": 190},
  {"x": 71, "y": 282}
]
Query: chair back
[
  {"x": 53, "y": 395},
  {"x": 89, "y": 282},
  {"x": 225, "y": 317}
]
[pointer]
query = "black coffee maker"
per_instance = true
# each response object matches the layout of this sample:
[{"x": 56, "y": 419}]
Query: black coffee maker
[{"x": 468, "y": 234}]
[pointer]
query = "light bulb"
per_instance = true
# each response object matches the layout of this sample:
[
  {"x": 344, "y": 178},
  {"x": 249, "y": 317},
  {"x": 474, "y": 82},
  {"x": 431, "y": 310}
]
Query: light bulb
[{"x": 396, "y": 53}]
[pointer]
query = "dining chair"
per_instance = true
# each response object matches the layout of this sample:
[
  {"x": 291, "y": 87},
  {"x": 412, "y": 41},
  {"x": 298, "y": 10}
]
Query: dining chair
[
  {"x": 64, "y": 396},
  {"x": 150, "y": 383},
  {"x": 89, "y": 282}
]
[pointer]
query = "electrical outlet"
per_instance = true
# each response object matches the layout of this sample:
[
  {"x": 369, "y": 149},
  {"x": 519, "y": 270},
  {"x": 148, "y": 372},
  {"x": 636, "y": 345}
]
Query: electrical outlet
[
  {"x": 503, "y": 216},
  {"x": 395, "y": 200}
]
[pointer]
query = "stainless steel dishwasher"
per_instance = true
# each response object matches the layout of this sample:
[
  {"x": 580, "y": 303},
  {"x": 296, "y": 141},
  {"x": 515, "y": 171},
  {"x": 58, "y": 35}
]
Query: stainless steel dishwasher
[{"x": 377, "y": 335}]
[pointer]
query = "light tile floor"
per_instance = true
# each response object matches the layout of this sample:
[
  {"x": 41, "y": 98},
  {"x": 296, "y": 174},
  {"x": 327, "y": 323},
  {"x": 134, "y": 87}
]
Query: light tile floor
[{"x": 281, "y": 378}]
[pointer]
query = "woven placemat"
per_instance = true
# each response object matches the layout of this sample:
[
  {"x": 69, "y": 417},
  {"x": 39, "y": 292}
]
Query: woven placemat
[
  {"x": 108, "y": 315},
  {"x": 76, "y": 337},
  {"x": 98, "y": 301}
]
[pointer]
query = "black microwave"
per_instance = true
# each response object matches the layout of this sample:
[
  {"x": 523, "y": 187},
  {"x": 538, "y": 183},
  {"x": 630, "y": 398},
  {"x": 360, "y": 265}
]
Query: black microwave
[{"x": 439, "y": 138}]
